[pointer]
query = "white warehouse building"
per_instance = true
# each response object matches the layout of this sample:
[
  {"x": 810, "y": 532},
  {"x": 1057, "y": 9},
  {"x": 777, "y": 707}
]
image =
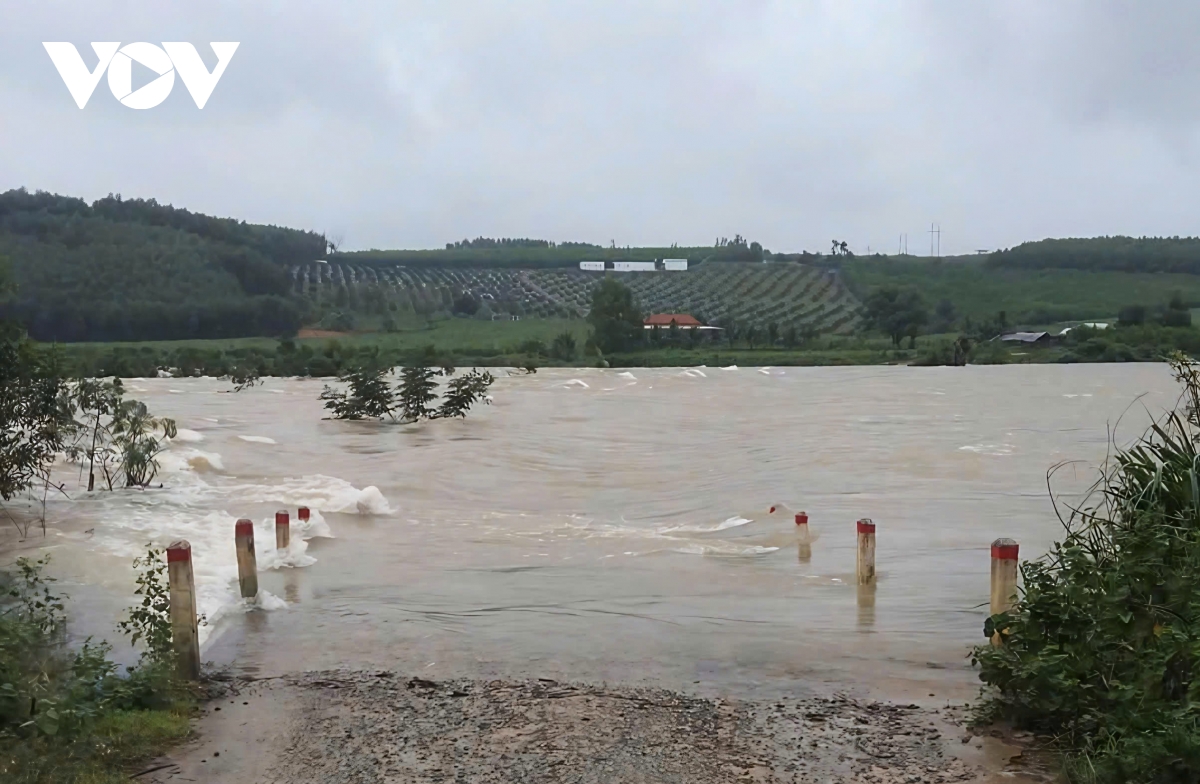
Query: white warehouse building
[{"x": 678, "y": 265}]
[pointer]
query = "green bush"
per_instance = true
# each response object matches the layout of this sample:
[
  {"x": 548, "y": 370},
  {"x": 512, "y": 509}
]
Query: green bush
[
  {"x": 1102, "y": 650},
  {"x": 67, "y": 715},
  {"x": 990, "y": 352}
]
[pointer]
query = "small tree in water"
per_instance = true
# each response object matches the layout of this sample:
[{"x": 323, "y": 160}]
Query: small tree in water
[
  {"x": 418, "y": 388},
  {"x": 465, "y": 391},
  {"x": 138, "y": 438},
  {"x": 371, "y": 395},
  {"x": 244, "y": 378}
]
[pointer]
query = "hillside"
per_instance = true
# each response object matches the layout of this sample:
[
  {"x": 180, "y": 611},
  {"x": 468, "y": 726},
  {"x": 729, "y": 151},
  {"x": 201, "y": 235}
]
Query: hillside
[
  {"x": 131, "y": 269},
  {"x": 1125, "y": 254},
  {"x": 136, "y": 270},
  {"x": 785, "y": 293},
  {"x": 978, "y": 288}
]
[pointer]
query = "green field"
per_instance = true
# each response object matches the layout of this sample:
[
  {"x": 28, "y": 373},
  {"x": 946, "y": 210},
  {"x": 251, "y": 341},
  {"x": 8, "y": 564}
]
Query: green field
[
  {"x": 1028, "y": 296},
  {"x": 786, "y": 293},
  {"x": 453, "y": 334}
]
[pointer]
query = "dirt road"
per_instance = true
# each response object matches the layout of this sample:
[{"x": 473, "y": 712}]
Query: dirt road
[{"x": 351, "y": 727}]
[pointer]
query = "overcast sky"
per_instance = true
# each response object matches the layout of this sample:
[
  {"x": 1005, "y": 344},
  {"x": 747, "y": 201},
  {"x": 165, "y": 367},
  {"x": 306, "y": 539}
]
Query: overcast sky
[{"x": 792, "y": 122}]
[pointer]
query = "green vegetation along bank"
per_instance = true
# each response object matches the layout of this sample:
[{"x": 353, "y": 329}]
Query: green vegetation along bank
[{"x": 1101, "y": 653}]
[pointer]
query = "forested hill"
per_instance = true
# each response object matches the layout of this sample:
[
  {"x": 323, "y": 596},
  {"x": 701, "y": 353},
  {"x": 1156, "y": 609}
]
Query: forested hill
[
  {"x": 1124, "y": 254},
  {"x": 131, "y": 269},
  {"x": 541, "y": 254}
]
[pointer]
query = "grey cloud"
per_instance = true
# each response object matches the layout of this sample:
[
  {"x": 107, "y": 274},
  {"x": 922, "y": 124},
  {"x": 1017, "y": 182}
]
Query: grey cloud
[{"x": 793, "y": 121}]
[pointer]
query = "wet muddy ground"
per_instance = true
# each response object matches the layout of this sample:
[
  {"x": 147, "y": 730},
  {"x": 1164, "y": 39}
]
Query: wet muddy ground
[{"x": 350, "y": 727}]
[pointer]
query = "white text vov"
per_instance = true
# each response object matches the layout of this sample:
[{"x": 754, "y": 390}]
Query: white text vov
[{"x": 118, "y": 61}]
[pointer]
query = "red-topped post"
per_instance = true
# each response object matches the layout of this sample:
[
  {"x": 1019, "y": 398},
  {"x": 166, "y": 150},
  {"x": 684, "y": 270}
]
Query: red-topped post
[
  {"x": 283, "y": 530},
  {"x": 866, "y": 552},
  {"x": 247, "y": 561},
  {"x": 1004, "y": 578},
  {"x": 303, "y": 514},
  {"x": 185, "y": 635},
  {"x": 803, "y": 542}
]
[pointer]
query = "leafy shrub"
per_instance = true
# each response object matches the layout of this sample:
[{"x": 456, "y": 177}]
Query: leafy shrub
[
  {"x": 1102, "y": 649},
  {"x": 990, "y": 352},
  {"x": 564, "y": 347},
  {"x": 371, "y": 396}
]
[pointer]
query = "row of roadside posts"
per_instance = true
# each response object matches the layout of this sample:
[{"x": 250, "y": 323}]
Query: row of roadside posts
[
  {"x": 186, "y": 639},
  {"x": 184, "y": 626}
]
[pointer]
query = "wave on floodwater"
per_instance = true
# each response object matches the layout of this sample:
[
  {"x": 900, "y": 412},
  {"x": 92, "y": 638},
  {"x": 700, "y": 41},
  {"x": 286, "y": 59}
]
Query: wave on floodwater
[
  {"x": 196, "y": 502},
  {"x": 749, "y": 534}
]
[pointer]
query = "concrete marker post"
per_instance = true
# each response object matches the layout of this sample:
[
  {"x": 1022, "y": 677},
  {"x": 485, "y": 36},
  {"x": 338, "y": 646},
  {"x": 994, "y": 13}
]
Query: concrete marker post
[
  {"x": 243, "y": 539},
  {"x": 185, "y": 634},
  {"x": 283, "y": 530},
  {"x": 866, "y": 552},
  {"x": 1004, "y": 578},
  {"x": 303, "y": 515},
  {"x": 804, "y": 542}
]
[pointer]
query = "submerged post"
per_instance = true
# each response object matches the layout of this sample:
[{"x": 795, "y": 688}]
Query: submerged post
[
  {"x": 1004, "y": 578},
  {"x": 866, "y": 552},
  {"x": 185, "y": 637},
  {"x": 303, "y": 514},
  {"x": 283, "y": 530},
  {"x": 247, "y": 562},
  {"x": 803, "y": 541}
]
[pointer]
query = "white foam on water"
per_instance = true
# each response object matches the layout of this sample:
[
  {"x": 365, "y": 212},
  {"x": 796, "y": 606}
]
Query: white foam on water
[
  {"x": 258, "y": 439},
  {"x": 627, "y": 374},
  {"x": 319, "y": 493},
  {"x": 193, "y": 507},
  {"x": 723, "y": 549},
  {"x": 731, "y": 367},
  {"x": 269, "y": 601},
  {"x": 293, "y": 556},
  {"x": 179, "y": 460},
  {"x": 210, "y": 419},
  {"x": 313, "y": 528},
  {"x": 995, "y": 450},
  {"x": 575, "y": 382},
  {"x": 724, "y": 525},
  {"x": 187, "y": 436},
  {"x": 693, "y": 373}
]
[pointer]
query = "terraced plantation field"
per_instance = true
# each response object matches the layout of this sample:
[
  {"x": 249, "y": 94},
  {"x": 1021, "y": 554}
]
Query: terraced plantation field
[{"x": 785, "y": 294}]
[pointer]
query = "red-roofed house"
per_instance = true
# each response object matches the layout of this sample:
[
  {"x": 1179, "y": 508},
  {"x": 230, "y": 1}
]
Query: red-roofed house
[{"x": 664, "y": 321}]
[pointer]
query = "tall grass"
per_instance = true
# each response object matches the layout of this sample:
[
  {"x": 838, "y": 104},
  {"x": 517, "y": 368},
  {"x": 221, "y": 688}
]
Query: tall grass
[{"x": 1102, "y": 650}]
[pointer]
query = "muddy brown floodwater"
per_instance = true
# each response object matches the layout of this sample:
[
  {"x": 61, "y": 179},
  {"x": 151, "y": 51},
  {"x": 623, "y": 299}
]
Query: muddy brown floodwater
[{"x": 609, "y": 527}]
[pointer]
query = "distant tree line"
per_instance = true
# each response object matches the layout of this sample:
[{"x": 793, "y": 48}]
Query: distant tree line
[
  {"x": 1124, "y": 254},
  {"x": 487, "y": 243},
  {"x": 136, "y": 270}
]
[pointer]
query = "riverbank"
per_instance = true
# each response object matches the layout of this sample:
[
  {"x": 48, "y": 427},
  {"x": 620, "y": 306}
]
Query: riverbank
[
  {"x": 539, "y": 343},
  {"x": 342, "y": 726}
]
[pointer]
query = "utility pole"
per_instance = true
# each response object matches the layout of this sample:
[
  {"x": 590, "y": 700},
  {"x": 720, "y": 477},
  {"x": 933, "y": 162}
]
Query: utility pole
[{"x": 935, "y": 236}]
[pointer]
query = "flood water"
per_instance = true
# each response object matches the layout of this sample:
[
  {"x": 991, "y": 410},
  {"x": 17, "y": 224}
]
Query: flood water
[{"x": 614, "y": 526}]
